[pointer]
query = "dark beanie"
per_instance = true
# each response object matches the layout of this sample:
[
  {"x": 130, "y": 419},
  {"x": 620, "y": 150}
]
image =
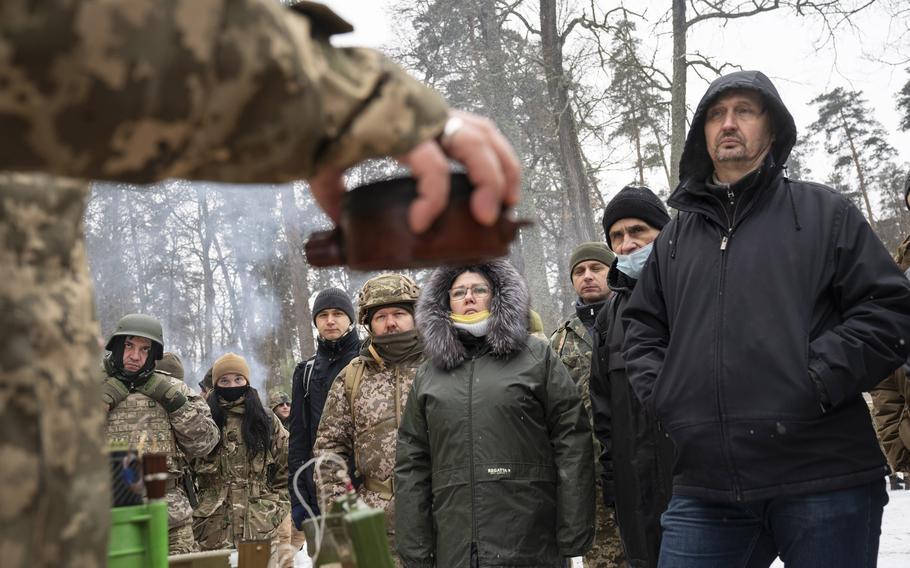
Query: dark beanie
[
  {"x": 591, "y": 251},
  {"x": 638, "y": 202},
  {"x": 335, "y": 298}
]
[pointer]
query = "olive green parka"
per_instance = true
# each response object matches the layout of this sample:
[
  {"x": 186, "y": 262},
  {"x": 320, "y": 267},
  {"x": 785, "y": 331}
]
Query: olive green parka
[{"x": 494, "y": 460}]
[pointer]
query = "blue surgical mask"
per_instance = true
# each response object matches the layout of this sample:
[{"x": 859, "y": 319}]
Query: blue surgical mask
[{"x": 632, "y": 264}]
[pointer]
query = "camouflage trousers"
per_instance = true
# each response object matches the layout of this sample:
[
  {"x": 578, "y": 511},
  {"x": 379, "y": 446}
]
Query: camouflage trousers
[
  {"x": 180, "y": 540},
  {"x": 54, "y": 479},
  {"x": 607, "y": 550}
]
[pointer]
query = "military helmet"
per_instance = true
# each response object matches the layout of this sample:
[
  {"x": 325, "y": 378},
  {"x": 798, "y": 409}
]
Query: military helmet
[
  {"x": 139, "y": 325},
  {"x": 278, "y": 397},
  {"x": 383, "y": 290}
]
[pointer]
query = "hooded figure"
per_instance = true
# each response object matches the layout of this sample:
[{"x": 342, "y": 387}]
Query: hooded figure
[
  {"x": 494, "y": 464},
  {"x": 765, "y": 309}
]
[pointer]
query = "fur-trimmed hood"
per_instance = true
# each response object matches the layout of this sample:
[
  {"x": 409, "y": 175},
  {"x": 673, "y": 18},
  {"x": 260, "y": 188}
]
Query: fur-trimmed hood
[{"x": 509, "y": 313}]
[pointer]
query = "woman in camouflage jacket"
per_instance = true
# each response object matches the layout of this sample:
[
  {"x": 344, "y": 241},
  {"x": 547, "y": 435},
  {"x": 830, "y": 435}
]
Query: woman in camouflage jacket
[{"x": 243, "y": 482}]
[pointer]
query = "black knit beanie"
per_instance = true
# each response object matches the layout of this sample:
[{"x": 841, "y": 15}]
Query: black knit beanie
[
  {"x": 638, "y": 202},
  {"x": 335, "y": 298}
]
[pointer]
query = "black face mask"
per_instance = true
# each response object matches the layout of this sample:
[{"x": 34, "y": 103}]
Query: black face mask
[{"x": 231, "y": 394}]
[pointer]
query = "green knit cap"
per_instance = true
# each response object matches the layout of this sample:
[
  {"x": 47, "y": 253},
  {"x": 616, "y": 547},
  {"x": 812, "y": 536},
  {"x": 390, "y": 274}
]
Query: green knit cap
[{"x": 591, "y": 251}]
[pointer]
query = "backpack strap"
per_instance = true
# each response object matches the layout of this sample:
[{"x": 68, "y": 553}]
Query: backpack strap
[
  {"x": 352, "y": 380},
  {"x": 307, "y": 375}
]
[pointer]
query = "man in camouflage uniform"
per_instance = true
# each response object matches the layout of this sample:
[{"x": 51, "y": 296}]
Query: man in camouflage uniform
[
  {"x": 230, "y": 90},
  {"x": 588, "y": 269},
  {"x": 366, "y": 401},
  {"x": 153, "y": 411},
  {"x": 280, "y": 403},
  {"x": 290, "y": 540}
]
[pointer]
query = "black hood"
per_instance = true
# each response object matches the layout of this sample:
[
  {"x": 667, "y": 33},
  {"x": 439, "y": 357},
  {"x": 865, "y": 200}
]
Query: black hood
[
  {"x": 509, "y": 311},
  {"x": 696, "y": 163}
]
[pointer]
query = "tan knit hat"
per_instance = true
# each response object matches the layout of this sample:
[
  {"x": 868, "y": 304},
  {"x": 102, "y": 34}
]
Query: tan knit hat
[{"x": 230, "y": 363}]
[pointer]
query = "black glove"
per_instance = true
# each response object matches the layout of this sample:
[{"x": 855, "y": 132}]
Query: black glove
[
  {"x": 113, "y": 392},
  {"x": 162, "y": 391}
]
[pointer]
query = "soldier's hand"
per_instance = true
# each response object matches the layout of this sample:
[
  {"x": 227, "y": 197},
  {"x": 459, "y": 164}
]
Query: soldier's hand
[
  {"x": 487, "y": 156},
  {"x": 163, "y": 392},
  {"x": 113, "y": 392}
]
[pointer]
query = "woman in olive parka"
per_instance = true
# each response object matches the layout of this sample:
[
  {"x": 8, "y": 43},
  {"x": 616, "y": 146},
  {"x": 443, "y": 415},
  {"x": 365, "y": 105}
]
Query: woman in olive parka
[{"x": 494, "y": 461}]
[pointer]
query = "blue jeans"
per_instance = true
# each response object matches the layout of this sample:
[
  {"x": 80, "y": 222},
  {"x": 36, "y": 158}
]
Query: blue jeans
[{"x": 825, "y": 530}]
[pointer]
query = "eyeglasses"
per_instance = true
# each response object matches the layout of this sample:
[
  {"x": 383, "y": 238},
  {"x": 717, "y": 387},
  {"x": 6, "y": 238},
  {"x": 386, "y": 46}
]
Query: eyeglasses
[
  {"x": 283, "y": 404},
  {"x": 741, "y": 113},
  {"x": 478, "y": 291}
]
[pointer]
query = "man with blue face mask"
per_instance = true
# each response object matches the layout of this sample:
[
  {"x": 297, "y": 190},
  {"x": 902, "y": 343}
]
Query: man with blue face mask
[{"x": 637, "y": 458}]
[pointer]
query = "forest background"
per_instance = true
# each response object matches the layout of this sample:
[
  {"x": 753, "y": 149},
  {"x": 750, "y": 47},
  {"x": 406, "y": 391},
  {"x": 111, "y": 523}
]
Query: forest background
[{"x": 593, "y": 94}]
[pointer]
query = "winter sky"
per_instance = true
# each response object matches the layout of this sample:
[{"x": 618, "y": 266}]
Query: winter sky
[{"x": 789, "y": 49}]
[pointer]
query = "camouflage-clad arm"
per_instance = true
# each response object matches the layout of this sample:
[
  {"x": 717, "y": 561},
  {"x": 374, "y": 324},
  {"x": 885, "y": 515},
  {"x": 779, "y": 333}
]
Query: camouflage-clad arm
[
  {"x": 231, "y": 90},
  {"x": 193, "y": 426},
  {"x": 334, "y": 436},
  {"x": 279, "y": 474}
]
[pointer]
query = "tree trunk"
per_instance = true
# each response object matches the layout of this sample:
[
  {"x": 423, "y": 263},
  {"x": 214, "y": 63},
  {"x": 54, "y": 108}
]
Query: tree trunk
[
  {"x": 859, "y": 169},
  {"x": 678, "y": 91},
  {"x": 299, "y": 269},
  {"x": 206, "y": 231},
  {"x": 571, "y": 161}
]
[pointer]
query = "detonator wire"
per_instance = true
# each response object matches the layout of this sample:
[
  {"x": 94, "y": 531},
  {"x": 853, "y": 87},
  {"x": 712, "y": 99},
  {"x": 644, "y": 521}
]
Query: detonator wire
[{"x": 317, "y": 475}]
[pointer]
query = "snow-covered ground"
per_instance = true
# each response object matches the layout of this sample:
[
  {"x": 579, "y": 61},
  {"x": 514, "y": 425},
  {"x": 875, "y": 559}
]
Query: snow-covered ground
[{"x": 894, "y": 551}]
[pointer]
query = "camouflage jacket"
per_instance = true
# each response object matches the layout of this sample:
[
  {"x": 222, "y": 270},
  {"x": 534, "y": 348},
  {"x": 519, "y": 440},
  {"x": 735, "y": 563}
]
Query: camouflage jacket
[
  {"x": 225, "y": 90},
  {"x": 188, "y": 432},
  {"x": 572, "y": 343},
  {"x": 368, "y": 432},
  {"x": 574, "y": 346},
  {"x": 240, "y": 499},
  {"x": 52, "y": 428}
]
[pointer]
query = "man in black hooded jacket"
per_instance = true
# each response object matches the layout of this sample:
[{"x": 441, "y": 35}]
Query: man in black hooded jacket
[
  {"x": 336, "y": 345},
  {"x": 765, "y": 310}
]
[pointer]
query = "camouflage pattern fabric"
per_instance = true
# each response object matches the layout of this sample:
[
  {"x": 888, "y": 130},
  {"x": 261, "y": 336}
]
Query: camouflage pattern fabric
[
  {"x": 54, "y": 482},
  {"x": 224, "y": 90},
  {"x": 241, "y": 499},
  {"x": 189, "y": 431},
  {"x": 606, "y": 552},
  {"x": 180, "y": 540},
  {"x": 573, "y": 344},
  {"x": 367, "y": 433},
  {"x": 238, "y": 91},
  {"x": 277, "y": 397}
]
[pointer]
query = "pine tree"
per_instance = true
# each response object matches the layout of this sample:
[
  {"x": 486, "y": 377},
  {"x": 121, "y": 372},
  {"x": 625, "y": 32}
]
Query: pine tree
[{"x": 855, "y": 139}]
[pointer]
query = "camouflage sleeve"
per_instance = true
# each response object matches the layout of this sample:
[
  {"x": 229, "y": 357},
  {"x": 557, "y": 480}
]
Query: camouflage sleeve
[
  {"x": 334, "y": 436},
  {"x": 193, "y": 426},
  {"x": 279, "y": 475},
  {"x": 556, "y": 338},
  {"x": 226, "y": 90}
]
